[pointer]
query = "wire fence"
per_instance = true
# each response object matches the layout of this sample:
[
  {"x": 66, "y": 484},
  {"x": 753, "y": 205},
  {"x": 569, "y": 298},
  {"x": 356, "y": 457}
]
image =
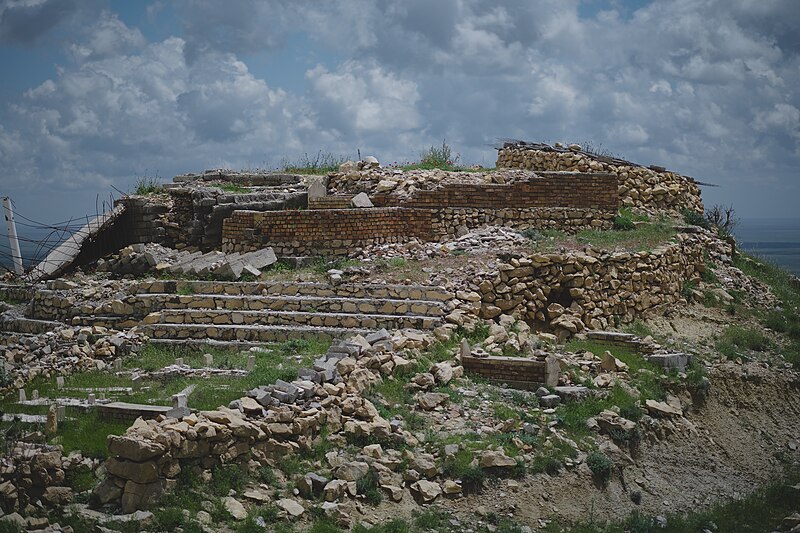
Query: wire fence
[{"x": 37, "y": 239}]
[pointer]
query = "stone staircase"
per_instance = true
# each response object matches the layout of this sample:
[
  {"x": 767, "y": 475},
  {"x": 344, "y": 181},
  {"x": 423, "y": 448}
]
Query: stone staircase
[{"x": 257, "y": 312}]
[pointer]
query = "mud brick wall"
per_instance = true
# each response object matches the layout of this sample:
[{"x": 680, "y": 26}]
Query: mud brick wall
[
  {"x": 336, "y": 201},
  {"x": 506, "y": 368},
  {"x": 448, "y": 221},
  {"x": 323, "y": 232},
  {"x": 571, "y": 189}
]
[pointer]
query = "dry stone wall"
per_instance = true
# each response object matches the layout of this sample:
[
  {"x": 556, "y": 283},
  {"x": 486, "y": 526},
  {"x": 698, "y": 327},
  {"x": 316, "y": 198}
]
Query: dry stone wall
[
  {"x": 450, "y": 221},
  {"x": 650, "y": 189},
  {"x": 572, "y": 292}
]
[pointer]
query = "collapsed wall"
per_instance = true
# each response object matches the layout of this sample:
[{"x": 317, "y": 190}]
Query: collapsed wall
[
  {"x": 572, "y": 292},
  {"x": 568, "y": 201},
  {"x": 650, "y": 189}
]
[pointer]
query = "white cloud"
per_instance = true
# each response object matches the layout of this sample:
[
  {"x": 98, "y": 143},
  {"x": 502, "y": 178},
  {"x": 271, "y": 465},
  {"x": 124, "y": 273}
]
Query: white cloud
[
  {"x": 365, "y": 98},
  {"x": 708, "y": 87}
]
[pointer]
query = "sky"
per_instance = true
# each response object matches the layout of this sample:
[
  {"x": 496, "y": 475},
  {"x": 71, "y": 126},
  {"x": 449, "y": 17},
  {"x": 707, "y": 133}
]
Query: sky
[{"x": 96, "y": 94}]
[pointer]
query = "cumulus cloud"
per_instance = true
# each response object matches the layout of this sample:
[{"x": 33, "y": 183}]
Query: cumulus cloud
[{"x": 707, "y": 87}]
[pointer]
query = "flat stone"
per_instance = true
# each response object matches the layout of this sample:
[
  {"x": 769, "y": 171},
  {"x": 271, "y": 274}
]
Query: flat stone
[
  {"x": 234, "y": 508},
  {"x": 291, "y": 507}
]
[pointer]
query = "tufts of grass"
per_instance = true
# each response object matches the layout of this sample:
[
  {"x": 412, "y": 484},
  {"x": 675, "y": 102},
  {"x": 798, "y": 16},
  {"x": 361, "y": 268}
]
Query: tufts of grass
[
  {"x": 601, "y": 466},
  {"x": 368, "y": 486},
  {"x": 643, "y": 237},
  {"x": 320, "y": 164},
  {"x": 147, "y": 185},
  {"x": 737, "y": 341}
]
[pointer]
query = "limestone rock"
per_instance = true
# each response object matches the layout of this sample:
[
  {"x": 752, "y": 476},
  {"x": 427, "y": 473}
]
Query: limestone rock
[
  {"x": 234, "y": 508},
  {"x": 426, "y": 490},
  {"x": 496, "y": 459},
  {"x": 291, "y": 507},
  {"x": 431, "y": 400}
]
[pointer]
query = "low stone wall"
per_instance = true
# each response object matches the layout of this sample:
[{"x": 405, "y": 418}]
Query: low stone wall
[
  {"x": 590, "y": 290},
  {"x": 141, "y": 221},
  {"x": 652, "y": 189},
  {"x": 520, "y": 372},
  {"x": 323, "y": 232}
]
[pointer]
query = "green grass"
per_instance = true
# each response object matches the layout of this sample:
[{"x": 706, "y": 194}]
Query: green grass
[
  {"x": 644, "y": 237},
  {"x": 781, "y": 282},
  {"x": 320, "y": 164},
  {"x": 738, "y": 341}
]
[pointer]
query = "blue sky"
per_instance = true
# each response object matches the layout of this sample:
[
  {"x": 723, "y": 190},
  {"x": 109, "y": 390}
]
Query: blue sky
[{"x": 97, "y": 93}]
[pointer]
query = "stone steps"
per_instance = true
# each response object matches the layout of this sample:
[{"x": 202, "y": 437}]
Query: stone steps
[
  {"x": 331, "y": 304},
  {"x": 323, "y": 290},
  {"x": 293, "y": 318},
  {"x": 253, "y": 334}
]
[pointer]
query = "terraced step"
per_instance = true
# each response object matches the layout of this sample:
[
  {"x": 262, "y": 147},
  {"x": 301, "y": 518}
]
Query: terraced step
[
  {"x": 154, "y": 302},
  {"x": 254, "y": 334},
  {"x": 292, "y": 318},
  {"x": 323, "y": 290}
]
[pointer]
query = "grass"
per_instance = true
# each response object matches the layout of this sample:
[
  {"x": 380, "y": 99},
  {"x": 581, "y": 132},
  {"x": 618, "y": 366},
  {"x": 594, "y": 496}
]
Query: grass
[
  {"x": 147, "y": 185},
  {"x": 738, "y": 341},
  {"x": 787, "y": 320},
  {"x": 87, "y": 432},
  {"x": 320, "y": 164},
  {"x": 601, "y": 467},
  {"x": 643, "y": 237}
]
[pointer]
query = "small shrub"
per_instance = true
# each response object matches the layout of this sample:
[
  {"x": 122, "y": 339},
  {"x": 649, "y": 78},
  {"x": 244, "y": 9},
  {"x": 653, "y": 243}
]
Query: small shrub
[
  {"x": 472, "y": 479},
  {"x": 368, "y": 487},
  {"x": 723, "y": 218},
  {"x": 601, "y": 466},
  {"x": 631, "y": 412},
  {"x": 624, "y": 222},
  {"x": 545, "y": 464},
  {"x": 439, "y": 157},
  {"x": 694, "y": 218},
  {"x": 687, "y": 290}
]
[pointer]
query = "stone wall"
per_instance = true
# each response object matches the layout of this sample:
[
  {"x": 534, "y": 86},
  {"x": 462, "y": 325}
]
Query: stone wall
[
  {"x": 323, "y": 232},
  {"x": 334, "y": 201},
  {"x": 141, "y": 221},
  {"x": 197, "y": 215},
  {"x": 571, "y": 292},
  {"x": 651, "y": 189}
]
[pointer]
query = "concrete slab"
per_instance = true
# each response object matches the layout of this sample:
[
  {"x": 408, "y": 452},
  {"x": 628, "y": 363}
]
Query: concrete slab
[{"x": 61, "y": 258}]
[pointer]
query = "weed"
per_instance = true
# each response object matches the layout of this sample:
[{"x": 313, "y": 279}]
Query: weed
[
  {"x": 368, "y": 486},
  {"x": 323, "y": 525},
  {"x": 545, "y": 464},
  {"x": 687, "y": 290},
  {"x": 322, "y": 163},
  {"x": 601, "y": 466},
  {"x": 431, "y": 518},
  {"x": 639, "y": 328},
  {"x": 147, "y": 185},
  {"x": 623, "y": 222}
]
